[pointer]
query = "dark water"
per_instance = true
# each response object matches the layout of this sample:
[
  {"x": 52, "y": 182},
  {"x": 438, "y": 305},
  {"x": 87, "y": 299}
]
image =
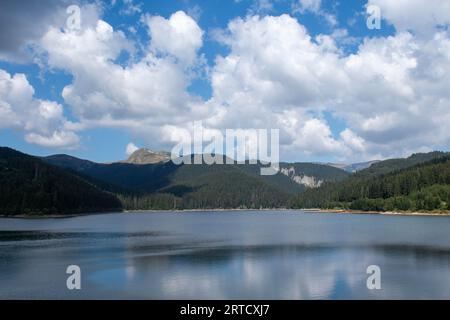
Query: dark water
[{"x": 226, "y": 255}]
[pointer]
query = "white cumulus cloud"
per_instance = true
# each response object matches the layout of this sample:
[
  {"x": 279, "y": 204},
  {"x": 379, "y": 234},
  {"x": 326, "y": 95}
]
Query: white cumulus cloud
[
  {"x": 42, "y": 121},
  {"x": 179, "y": 36},
  {"x": 391, "y": 93},
  {"x": 140, "y": 96}
]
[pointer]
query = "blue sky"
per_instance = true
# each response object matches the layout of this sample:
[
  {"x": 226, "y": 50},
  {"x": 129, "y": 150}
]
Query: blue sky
[{"x": 213, "y": 72}]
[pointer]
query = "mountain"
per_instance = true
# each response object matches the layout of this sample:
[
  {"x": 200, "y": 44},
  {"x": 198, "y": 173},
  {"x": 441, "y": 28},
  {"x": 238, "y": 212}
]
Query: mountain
[
  {"x": 65, "y": 184},
  {"x": 341, "y": 166},
  {"x": 124, "y": 176},
  {"x": 354, "y": 167},
  {"x": 311, "y": 175},
  {"x": 165, "y": 185},
  {"x": 64, "y": 160},
  {"x": 147, "y": 156},
  {"x": 28, "y": 185},
  {"x": 292, "y": 178},
  {"x": 390, "y": 165},
  {"x": 395, "y": 184},
  {"x": 223, "y": 186}
]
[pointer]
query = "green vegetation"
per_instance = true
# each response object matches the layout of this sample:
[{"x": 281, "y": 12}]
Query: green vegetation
[
  {"x": 30, "y": 186},
  {"x": 434, "y": 198},
  {"x": 392, "y": 165},
  {"x": 62, "y": 185},
  {"x": 394, "y": 185},
  {"x": 218, "y": 192},
  {"x": 319, "y": 171},
  {"x": 170, "y": 186}
]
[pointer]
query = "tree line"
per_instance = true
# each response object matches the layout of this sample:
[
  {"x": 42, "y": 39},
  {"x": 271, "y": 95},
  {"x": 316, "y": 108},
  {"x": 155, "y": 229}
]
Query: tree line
[{"x": 423, "y": 187}]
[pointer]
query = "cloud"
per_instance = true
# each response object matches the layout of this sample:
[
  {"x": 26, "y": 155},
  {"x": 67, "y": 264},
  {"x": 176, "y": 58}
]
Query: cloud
[
  {"x": 273, "y": 77},
  {"x": 195, "y": 12},
  {"x": 179, "y": 36},
  {"x": 396, "y": 101},
  {"x": 315, "y": 7},
  {"x": 58, "y": 139},
  {"x": 131, "y": 8},
  {"x": 391, "y": 93},
  {"x": 130, "y": 149},
  {"x": 353, "y": 141},
  {"x": 420, "y": 16},
  {"x": 309, "y": 5},
  {"x": 22, "y": 22},
  {"x": 42, "y": 121},
  {"x": 140, "y": 95},
  {"x": 261, "y": 6},
  {"x": 273, "y": 60}
]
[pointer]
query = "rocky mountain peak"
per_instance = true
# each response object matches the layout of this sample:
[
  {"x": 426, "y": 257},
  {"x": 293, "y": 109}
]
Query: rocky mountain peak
[{"x": 147, "y": 156}]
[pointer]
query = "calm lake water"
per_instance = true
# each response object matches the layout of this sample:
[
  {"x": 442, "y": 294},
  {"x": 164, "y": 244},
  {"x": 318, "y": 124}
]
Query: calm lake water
[{"x": 226, "y": 255}]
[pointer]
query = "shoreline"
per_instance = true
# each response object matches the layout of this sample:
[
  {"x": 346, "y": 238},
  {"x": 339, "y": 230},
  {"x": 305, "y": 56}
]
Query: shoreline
[
  {"x": 55, "y": 216},
  {"x": 311, "y": 210},
  {"x": 385, "y": 213}
]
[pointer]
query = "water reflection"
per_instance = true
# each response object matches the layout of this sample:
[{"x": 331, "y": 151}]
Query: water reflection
[
  {"x": 47, "y": 235},
  {"x": 226, "y": 256}
]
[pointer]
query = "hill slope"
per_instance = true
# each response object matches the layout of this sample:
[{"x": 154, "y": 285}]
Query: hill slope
[
  {"x": 391, "y": 165},
  {"x": 312, "y": 175},
  {"x": 292, "y": 178},
  {"x": 354, "y": 167},
  {"x": 420, "y": 182},
  {"x": 30, "y": 186},
  {"x": 165, "y": 185}
]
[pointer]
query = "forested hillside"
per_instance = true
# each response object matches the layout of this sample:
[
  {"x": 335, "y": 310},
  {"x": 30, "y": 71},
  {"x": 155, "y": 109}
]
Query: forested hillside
[
  {"x": 401, "y": 184},
  {"x": 312, "y": 175},
  {"x": 170, "y": 186},
  {"x": 165, "y": 185},
  {"x": 212, "y": 190},
  {"x": 30, "y": 186},
  {"x": 391, "y": 165},
  {"x": 65, "y": 184}
]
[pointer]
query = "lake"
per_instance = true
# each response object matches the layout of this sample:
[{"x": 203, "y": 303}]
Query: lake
[{"x": 226, "y": 255}]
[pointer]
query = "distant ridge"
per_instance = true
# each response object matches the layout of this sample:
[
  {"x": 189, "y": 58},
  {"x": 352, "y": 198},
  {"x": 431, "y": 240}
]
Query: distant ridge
[
  {"x": 66, "y": 161},
  {"x": 353, "y": 167}
]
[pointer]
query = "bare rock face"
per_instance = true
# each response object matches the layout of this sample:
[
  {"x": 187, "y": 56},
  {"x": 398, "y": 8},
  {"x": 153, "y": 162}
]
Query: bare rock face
[
  {"x": 147, "y": 156},
  {"x": 307, "y": 181}
]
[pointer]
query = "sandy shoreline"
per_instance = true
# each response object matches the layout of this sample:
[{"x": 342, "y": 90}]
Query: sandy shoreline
[{"x": 312, "y": 210}]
